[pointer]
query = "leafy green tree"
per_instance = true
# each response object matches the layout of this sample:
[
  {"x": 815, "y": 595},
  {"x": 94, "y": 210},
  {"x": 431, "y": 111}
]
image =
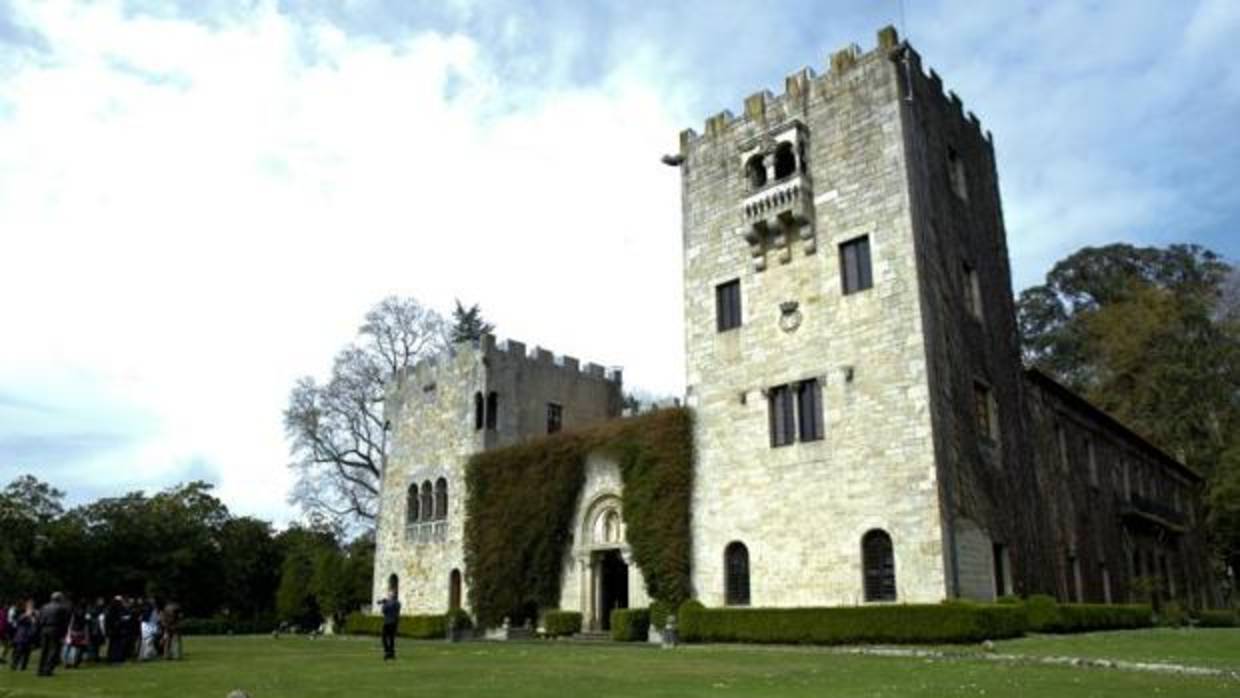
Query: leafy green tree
[
  {"x": 468, "y": 324},
  {"x": 28, "y": 507}
]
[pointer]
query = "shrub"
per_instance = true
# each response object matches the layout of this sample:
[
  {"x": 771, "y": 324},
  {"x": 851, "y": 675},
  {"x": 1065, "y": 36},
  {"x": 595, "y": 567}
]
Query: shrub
[
  {"x": 220, "y": 625},
  {"x": 1043, "y": 612},
  {"x": 458, "y": 619},
  {"x": 659, "y": 611},
  {"x": 956, "y": 622},
  {"x": 630, "y": 624},
  {"x": 1084, "y": 617},
  {"x": 1009, "y": 600},
  {"x": 1173, "y": 615},
  {"x": 415, "y": 627},
  {"x": 561, "y": 623},
  {"x": 1217, "y": 619}
]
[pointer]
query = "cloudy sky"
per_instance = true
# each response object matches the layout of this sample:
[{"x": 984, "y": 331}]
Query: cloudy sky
[{"x": 198, "y": 203}]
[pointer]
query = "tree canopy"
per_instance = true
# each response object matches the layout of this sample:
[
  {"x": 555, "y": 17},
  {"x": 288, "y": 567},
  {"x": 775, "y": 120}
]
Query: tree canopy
[
  {"x": 468, "y": 324},
  {"x": 179, "y": 544},
  {"x": 338, "y": 430}
]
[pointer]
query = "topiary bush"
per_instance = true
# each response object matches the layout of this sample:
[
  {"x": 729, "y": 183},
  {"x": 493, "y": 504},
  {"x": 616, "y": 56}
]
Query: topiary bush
[
  {"x": 687, "y": 617},
  {"x": 659, "y": 611},
  {"x": 562, "y": 623},
  {"x": 458, "y": 619},
  {"x": 956, "y": 622},
  {"x": 630, "y": 624},
  {"x": 1043, "y": 612},
  {"x": 521, "y": 500},
  {"x": 414, "y": 627}
]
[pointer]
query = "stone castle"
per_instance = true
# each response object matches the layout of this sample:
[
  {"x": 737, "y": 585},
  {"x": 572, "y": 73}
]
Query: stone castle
[{"x": 864, "y": 429}]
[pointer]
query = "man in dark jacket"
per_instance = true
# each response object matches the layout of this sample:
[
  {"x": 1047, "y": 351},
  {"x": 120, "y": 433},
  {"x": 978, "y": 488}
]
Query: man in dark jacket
[
  {"x": 391, "y": 616},
  {"x": 114, "y": 628},
  {"x": 53, "y": 624}
]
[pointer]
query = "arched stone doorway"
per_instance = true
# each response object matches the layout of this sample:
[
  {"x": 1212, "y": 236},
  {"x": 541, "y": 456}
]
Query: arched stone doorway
[{"x": 604, "y": 562}]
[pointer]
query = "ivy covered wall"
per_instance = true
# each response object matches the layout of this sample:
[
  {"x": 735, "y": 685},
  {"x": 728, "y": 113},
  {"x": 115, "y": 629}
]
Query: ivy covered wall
[{"x": 521, "y": 499}]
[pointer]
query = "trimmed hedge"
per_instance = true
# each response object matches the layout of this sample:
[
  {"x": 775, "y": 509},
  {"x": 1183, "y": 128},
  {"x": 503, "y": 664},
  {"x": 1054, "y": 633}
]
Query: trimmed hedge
[
  {"x": 227, "y": 626},
  {"x": 1085, "y": 617},
  {"x": 955, "y": 622},
  {"x": 630, "y": 624},
  {"x": 561, "y": 623},
  {"x": 1217, "y": 619},
  {"x": 1047, "y": 616},
  {"x": 521, "y": 499},
  {"x": 415, "y": 627}
]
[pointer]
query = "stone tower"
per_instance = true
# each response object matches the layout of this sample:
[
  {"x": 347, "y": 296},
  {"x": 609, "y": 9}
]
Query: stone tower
[
  {"x": 474, "y": 397},
  {"x": 851, "y": 347}
]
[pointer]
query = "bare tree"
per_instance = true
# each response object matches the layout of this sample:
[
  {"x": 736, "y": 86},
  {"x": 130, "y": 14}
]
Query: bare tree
[{"x": 338, "y": 430}]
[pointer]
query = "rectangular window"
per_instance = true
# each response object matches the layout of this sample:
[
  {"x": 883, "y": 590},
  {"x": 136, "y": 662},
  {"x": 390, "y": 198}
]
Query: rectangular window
[
  {"x": 1092, "y": 457},
  {"x": 986, "y": 413},
  {"x": 972, "y": 292},
  {"x": 1061, "y": 436},
  {"x": 809, "y": 410},
  {"x": 728, "y": 305},
  {"x": 1073, "y": 572},
  {"x": 555, "y": 417},
  {"x": 783, "y": 420},
  {"x": 956, "y": 176},
  {"x": 855, "y": 265},
  {"x": 999, "y": 553}
]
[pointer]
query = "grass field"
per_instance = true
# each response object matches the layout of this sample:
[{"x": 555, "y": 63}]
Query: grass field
[
  {"x": 1205, "y": 647},
  {"x": 296, "y": 667}
]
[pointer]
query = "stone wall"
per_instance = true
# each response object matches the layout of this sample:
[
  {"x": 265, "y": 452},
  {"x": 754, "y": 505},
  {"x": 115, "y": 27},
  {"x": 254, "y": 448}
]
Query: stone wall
[
  {"x": 982, "y": 472},
  {"x": 1119, "y": 509},
  {"x": 434, "y": 429},
  {"x": 802, "y": 510}
]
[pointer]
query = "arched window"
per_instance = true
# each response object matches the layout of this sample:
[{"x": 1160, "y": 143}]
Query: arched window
[
  {"x": 441, "y": 499},
  {"x": 492, "y": 409},
  {"x": 736, "y": 574},
  {"x": 478, "y": 411},
  {"x": 755, "y": 171},
  {"x": 412, "y": 510},
  {"x": 428, "y": 501},
  {"x": 879, "y": 565},
  {"x": 394, "y": 584},
  {"x": 785, "y": 160},
  {"x": 454, "y": 590}
]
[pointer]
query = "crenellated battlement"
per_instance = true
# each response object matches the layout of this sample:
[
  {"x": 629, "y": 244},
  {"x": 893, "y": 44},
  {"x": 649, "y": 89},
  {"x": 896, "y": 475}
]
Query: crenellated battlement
[
  {"x": 538, "y": 355},
  {"x": 431, "y": 370},
  {"x": 764, "y": 109}
]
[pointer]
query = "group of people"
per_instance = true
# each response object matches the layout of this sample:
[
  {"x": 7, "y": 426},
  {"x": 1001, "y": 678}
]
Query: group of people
[{"x": 67, "y": 633}]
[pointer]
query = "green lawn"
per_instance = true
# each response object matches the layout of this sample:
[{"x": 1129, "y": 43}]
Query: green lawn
[
  {"x": 1206, "y": 647},
  {"x": 296, "y": 667}
]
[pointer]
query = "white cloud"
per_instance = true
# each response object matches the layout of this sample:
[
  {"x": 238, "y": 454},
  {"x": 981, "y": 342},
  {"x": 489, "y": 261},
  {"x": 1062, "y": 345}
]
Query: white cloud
[{"x": 202, "y": 214}]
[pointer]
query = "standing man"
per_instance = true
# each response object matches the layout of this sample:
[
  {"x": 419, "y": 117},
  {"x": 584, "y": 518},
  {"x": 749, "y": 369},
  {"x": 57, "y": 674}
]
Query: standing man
[
  {"x": 53, "y": 625},
  {"x": 391, "y": 616}
]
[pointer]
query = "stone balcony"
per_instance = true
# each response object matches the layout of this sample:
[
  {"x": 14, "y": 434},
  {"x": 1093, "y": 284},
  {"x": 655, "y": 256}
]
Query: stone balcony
[
  {"x": 777, "y": 214},
  {"x": 425, "y": 532}
]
